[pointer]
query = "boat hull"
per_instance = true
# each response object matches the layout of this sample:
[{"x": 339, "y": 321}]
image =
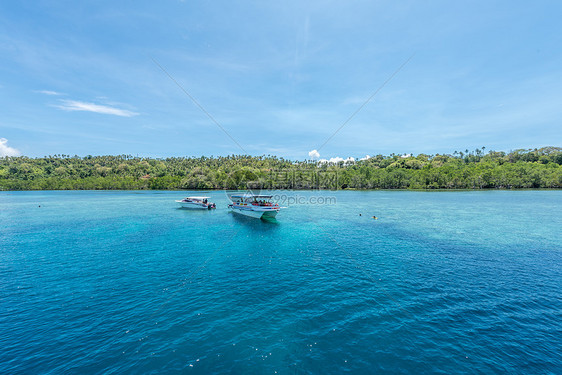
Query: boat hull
[{"x": 258, "y": 214}]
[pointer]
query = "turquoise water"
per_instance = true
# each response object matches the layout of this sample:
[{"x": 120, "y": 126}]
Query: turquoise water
[{"x": 124, "y": 282}]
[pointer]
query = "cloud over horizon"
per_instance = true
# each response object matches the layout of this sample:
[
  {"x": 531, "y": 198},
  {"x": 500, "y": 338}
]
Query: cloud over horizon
[
  {"x": 314, "y": 154},
  {"x": 337, "y": 159},
  {"x": 74, "y": 105},
  {"x": 6, "y": 150}
]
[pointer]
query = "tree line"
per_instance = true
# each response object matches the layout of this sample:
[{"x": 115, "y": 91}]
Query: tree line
[{"x": 477, "y": 169}]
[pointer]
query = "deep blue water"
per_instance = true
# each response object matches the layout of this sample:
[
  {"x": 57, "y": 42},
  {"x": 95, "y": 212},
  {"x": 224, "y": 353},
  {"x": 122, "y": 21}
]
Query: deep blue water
[{"x": 124, "y": 282}]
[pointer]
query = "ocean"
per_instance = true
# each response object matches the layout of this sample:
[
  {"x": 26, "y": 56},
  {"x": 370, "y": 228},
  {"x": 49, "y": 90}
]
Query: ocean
[{"x": 113, "y": 282}]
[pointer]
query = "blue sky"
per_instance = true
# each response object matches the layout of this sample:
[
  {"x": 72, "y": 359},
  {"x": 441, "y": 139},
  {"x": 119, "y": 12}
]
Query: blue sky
[{"x": 83, "y": 77}]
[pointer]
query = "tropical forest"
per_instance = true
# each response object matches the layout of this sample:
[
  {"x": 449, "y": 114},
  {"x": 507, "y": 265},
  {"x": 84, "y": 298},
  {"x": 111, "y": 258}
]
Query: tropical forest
[{"x": 477, "y": 169}]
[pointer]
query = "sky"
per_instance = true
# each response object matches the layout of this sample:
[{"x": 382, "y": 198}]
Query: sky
[{"x": 299, "y": 80}]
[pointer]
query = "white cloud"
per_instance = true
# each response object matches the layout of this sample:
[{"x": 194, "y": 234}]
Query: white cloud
[
  {"x": 6, "y": 150},
  {"x": 49, "y": 92},
  {"x": 314, "y": 154},
  {"x": 367, "y": 157},
  {"x": 74, "y": 105}
]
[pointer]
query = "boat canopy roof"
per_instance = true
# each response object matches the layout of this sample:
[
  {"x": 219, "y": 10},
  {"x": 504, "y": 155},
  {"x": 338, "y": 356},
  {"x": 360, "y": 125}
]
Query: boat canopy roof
[
  {"x": 246, "y": 196},
  {"x": 198, "y": 198}
]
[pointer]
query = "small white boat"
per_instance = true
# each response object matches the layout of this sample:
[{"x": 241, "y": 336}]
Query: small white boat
[
  {"x": 258, "y": 206},
  {"x": 197, "y": 202}
]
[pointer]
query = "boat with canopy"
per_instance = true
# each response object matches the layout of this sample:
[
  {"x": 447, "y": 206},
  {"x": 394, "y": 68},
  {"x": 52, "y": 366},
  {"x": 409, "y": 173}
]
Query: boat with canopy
[
  {"x": 197, "y": 202},
  {"x": 254, "y": 205}
]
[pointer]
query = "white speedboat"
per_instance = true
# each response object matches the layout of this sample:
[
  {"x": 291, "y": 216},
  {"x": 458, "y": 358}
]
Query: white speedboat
[
  {"x": 258, "y": 206},
  {"x": 197, "y": 202}
]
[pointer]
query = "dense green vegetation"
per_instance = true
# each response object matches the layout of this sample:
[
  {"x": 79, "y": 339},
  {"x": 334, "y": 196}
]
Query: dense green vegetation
[{"x": 538, "y": 168}]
